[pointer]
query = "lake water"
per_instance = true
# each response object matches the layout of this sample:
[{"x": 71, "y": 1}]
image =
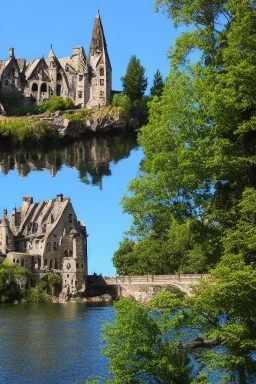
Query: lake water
[{"x": 52, "y": 343}]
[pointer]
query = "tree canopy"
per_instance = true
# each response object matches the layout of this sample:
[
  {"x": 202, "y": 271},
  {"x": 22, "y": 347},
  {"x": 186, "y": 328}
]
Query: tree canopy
[
  {"x": 134, "y": 81},
  {"x": 158, "y": 84},
  {"x": 199, "y": 144}
]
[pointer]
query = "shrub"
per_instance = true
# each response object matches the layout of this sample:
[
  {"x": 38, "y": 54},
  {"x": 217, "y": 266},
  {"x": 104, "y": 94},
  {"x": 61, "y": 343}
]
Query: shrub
[
  {"x": 55, "y": 103},
  {"x": 123, "y": 101},
  {"x": 21, "y": 130}
]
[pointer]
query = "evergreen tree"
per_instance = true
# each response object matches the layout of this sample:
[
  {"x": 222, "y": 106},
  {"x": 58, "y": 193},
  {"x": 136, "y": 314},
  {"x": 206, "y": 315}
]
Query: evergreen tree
[
  {"x": 134, "y": 82},
  {"x": 158, "y": 84}
]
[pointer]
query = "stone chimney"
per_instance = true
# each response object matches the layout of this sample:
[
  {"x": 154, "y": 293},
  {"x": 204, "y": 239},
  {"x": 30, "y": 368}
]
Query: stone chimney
[
  {"x": 11, "y": 53},
  {"x": 60, "y": 197}
]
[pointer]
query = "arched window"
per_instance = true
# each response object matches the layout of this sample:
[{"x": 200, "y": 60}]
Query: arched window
[
  {"x": 43, "y": 87},
  {"x": 34, "y": 87},
  {"x": 66, "y": 253},
  {"x": 59, "y": 77}
]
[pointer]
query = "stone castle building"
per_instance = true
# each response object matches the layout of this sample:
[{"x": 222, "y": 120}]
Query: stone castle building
[
  {"x": 46, "y": 237},
  {"x": 87, "y": 81}
]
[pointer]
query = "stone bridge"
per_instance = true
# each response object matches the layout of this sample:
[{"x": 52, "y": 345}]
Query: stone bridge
[{"x": 142, "y": 288}]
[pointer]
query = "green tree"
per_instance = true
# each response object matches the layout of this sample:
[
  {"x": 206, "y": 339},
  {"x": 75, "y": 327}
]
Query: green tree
[
  {"x": 55, "y": 282},
  {"x": 216, "y": 326},
  {"x": 158, "y": 84},
  {"x": 134, "y": 82},
  {"x": 139, "y": 351},
  {"x": 9, "y": 275},
  {"x": 199, "y": 144}
]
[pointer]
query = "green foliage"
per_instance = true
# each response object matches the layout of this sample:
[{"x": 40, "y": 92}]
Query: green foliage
[
  {"x": 55, "y": 282},
  {"x": 138, "y": 349},
  {"x": 134, "y": 82},
  {"x": 36, "y": 295},
  {"x": 56, "y": 103},
  {"x": 121, "y": 100},
  {"x": 199, "y": 144},
  {"x": 25, "y": 130},
  {"x": 158, "y": 84},
  {"x": 9, "y": 274},
  {"x": 143, "y": 344}
]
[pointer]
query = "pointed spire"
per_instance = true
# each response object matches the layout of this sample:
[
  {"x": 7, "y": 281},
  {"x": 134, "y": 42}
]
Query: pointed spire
[
  {"x": 98, "y": 11},
  {"x": 51, "y": 53},
  {"x": 98, "y": 42}
]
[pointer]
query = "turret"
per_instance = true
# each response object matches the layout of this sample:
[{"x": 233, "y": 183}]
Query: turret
[
  {"x": 6, "y": 236},
  {"x": 53, "y": 70},
  {"x": 101, "y": 83}
]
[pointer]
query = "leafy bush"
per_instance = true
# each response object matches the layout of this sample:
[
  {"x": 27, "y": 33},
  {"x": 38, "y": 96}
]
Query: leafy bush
[
  {"x": 24, "y": 129},
  {"x": 55, "y": 103},
  {"x": 123, "y": 101},
  {"x": 37, "y": 294}
]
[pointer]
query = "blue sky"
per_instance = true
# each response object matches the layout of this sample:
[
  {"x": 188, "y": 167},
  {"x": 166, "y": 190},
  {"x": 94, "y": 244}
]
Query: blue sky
[{"x": 131, "y": 27}]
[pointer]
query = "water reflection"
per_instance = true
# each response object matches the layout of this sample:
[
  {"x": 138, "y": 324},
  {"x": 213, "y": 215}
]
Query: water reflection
[{"x": 91, "y": 157}]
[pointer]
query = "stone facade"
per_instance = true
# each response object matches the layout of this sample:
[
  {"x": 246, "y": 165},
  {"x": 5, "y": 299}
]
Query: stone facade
[
  {"x": 87, "y": 82},
  {"x": 46, "y": 237}
]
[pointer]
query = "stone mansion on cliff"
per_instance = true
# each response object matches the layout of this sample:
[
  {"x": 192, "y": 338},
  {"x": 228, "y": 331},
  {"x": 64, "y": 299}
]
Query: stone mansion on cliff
[
  {"x": 87, "y": 81},
  {"x": 46, "y": 237}
]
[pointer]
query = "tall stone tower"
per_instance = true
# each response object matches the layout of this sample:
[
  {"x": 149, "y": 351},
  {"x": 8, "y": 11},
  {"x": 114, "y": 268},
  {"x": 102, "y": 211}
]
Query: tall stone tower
[
  {"x": 101, "y": 81},
  {"x": 53, "y": 71}
]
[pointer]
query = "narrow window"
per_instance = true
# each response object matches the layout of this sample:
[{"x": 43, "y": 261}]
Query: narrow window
[
  {"x": 55, "y": 246},
  {"x": 13, "y": 260},
  {"x": 70, "y": 253},
  {"x": 56, "y": 264},
  {"x": 18, "y": 261},
  {"x": 80, "y": 94},
  {"x": 50, "y": 264},
  {"x": 101, "y": 71},
  {"x": 34, "y": 87},
  {"x": 22, "y": 262},
  {"x": 45, "y": 262},
  {"x": 66, "y": 253},
  {"x": 102, "y": 82},
  {"x": 70, "y": 218},
  {"x": 101, "y": 93},
  {"x": 72, "y": 282},
  {"x": 75, "y": 283},
  {"x": 39, "y": 263},
  {"x": 81, "y": 77},
  {"x": 49, "y": 246},
  {"x": 43, "y": 87},
  {"x": 77, "y": 265}
]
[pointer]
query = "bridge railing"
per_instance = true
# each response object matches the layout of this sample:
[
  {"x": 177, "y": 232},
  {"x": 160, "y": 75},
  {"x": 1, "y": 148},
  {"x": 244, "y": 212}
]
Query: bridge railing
[{"x": 154, "y": 279}]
